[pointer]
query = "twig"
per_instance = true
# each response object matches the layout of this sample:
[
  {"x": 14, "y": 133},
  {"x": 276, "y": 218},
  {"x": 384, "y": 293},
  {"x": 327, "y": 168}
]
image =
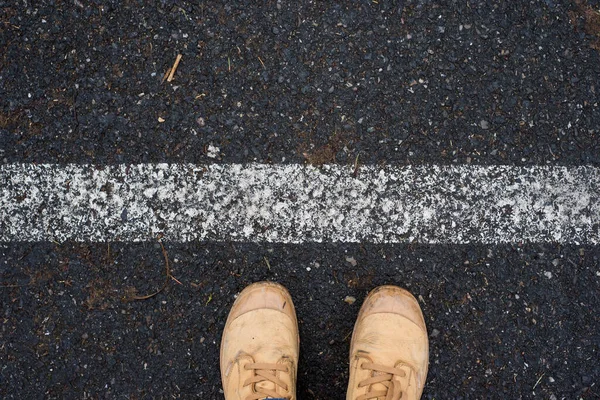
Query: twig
[
  {"x": 267, "y": 262},
  {"x": 347, "y": 336},
  {"x": 14, "y": 286},
  {"x": 261, "y": 61},
  {"x": 167, "y": 279},
  {"x": 184, "y": 14},
  {"x": 538, "y": 381},
  {"x": 553, "y": 155},
  {"x": 174, "y": 67},
  {"x": 12, "y": 25},
  {"x": 166, "y": 75},
  {"x": 356, "y": 166},
  {"x": 589, "y": 390}
]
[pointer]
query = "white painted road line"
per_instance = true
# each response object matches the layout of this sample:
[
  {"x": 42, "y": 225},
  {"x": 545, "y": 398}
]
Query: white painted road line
[{"x": 296, "y": 203}]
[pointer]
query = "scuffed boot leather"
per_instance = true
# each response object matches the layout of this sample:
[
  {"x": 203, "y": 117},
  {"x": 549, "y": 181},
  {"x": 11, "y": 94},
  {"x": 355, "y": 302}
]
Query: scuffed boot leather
[
  {"x": 260, "y": 345},
  {"x": 389, "y": 351}
]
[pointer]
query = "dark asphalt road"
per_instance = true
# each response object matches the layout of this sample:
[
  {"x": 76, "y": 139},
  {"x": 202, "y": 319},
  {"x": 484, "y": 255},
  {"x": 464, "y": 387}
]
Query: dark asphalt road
[
  {"x": 404, "y": 82},
  {"x": 499, "y": 317}
]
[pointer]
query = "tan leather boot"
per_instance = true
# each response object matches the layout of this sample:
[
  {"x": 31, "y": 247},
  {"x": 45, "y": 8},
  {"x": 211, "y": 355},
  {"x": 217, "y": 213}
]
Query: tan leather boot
[
  {"x": 260, "y": 345},
  {"x": 389, "y": 351}
]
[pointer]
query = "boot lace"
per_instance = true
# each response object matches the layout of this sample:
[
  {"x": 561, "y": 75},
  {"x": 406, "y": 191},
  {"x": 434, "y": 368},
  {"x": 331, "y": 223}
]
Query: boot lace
[
  {"x": 265, "y": 372},
  {"x": 382, "y": 375}
]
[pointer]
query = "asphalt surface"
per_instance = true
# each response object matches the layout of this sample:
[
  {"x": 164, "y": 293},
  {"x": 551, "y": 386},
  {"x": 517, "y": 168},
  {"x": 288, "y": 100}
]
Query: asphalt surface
[{"x": 405, "y": 82}]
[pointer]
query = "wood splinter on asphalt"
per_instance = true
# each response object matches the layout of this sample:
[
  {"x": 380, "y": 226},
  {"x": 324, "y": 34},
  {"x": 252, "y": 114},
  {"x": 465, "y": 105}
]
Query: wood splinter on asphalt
[
  {"x": 169, "y": 276},
  {"x": 356, "y": 166},
  {"x": 171, "y": 72}
]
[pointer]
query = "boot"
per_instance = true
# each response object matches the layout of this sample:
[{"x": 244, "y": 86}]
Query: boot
[
  {"x": 260, "y": 345},
  {"x": 389, "y": 351}
]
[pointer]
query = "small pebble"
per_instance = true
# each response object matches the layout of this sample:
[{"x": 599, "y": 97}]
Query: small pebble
[
  {"x": 484, "y": 124},
  {"x": 213, "y": 151},
  {"x": 352, "y": 261},
  {"x": 350, "y": 300}
]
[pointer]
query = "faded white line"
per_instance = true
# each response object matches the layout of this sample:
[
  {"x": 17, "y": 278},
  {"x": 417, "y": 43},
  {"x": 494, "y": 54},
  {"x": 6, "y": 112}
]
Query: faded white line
[{"x": 296, "y": 203}]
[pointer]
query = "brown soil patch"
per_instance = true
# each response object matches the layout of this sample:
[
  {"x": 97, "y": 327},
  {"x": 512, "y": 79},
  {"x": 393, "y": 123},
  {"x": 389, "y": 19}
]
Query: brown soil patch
[
  {"x": 587, "y": 18},
  {"x": 325, "y": 154}
]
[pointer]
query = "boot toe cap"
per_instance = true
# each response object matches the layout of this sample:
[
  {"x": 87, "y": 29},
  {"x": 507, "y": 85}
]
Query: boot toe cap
[
  {"x": 394, "y": 300},
  {"x": 263, "y": 295}
]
